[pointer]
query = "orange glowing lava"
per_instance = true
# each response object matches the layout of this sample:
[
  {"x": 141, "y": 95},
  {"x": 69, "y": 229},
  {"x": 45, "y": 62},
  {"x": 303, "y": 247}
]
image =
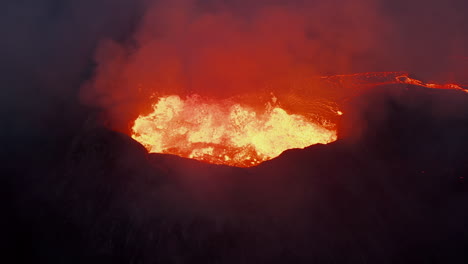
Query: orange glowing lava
[
  {"x": 228, "y": 132},
  {"x": 406, "y": 79},
  {"x": 225, "y": 132}
]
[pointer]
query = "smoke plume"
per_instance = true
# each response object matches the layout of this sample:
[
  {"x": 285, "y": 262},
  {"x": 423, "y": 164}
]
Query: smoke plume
[{"x": 223, "y": 49}]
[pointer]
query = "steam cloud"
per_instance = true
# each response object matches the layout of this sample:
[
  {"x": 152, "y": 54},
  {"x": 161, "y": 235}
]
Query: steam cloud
[{"x": 236, "y": 47}]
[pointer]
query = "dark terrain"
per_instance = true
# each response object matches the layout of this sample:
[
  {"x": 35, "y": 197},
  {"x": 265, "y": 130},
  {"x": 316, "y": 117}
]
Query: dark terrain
[{"x": 392, "y": 189}]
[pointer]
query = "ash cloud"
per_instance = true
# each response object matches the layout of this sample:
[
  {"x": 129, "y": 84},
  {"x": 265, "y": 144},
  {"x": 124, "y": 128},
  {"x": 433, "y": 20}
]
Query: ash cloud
[
  {"x": 128, "y": 50},
  {"x": 233, "y": 48},
  {"x": 229, "y": 48}
]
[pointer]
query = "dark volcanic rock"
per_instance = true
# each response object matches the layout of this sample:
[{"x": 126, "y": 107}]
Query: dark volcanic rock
[{"x": 391, "y": 190}]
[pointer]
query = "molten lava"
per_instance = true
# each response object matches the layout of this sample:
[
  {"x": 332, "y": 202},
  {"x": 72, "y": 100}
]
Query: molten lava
[
  {"x": 228, "y": 132},
  {"x": 225, "y": 132},
  {"x": 450, "y": 86}
]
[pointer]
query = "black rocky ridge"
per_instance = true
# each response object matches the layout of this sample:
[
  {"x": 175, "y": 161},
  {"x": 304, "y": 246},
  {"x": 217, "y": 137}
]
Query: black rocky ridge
[{"x": 392, "y": 189}]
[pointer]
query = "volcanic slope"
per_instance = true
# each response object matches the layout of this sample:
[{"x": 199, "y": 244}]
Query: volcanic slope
[{"x": 392, "y": 189}]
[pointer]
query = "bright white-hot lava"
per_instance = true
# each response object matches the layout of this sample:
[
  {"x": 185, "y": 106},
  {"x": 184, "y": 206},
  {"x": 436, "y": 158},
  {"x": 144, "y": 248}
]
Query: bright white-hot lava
[{"x": 224, "y": 132}]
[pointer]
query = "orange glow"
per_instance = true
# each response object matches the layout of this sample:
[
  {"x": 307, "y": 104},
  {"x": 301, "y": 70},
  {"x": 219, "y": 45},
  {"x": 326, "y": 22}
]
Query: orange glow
[
  {"x": 233, "y": 133},
  {"x": 405, "y": 79},
  {"x": 360, "y": 81},
  {"x": 225, "y": 132}
]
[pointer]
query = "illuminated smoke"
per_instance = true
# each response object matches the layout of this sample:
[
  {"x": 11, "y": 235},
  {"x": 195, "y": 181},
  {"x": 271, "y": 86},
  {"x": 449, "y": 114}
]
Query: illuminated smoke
[
  {"x": 305, "y": 52},
  {"x": 230, "y": 49}
]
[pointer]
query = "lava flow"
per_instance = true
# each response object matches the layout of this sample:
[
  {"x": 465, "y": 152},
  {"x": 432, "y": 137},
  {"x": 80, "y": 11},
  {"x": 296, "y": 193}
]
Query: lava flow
[
  {"x": 225, "y": 132},
  {"x": 228, "y": 132}
]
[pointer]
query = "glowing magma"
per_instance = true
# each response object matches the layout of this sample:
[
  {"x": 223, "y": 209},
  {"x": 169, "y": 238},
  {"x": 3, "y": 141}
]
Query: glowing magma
[{"x": 224, "y": 132}]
